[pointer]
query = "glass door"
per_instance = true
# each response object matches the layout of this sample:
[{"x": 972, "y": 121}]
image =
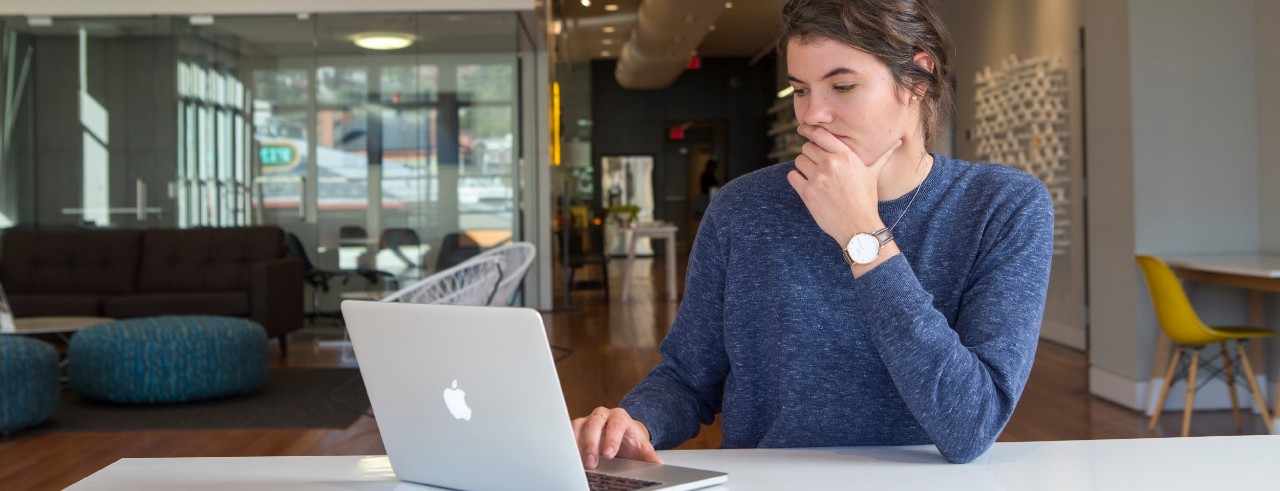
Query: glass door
[{"x": 378, "y": 158}]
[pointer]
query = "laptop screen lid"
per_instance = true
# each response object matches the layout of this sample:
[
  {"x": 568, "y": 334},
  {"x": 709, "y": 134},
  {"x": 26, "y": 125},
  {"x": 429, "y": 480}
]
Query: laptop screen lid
[{"x": 456, "y": 390}]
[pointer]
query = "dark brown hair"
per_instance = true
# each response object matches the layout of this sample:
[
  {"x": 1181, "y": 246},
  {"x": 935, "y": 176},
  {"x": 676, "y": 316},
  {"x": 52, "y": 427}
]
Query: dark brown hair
[{"x": 891, "y": 30}]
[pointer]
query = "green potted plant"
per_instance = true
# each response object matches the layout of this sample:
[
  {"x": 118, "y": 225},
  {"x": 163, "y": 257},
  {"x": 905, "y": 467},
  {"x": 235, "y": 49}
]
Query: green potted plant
[{"x": 624, "y": 214}]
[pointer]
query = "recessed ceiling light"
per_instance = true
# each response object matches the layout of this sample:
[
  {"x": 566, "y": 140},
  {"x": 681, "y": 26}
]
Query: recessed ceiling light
[
  {"x": 611, "y": 7},
  {"x": 606, "y": 53},
  {"x": 609, "y": 29},
  {"x": 382, "y": 41},
  {"x": 606, "y": 42},
  {"x": 711, "y": 27},
  {"x": 586, "y": 3},
  {"x": 728, "y": 5},
  {"x": 39, "y": 21},
  {"x": 201, "y": 20}
]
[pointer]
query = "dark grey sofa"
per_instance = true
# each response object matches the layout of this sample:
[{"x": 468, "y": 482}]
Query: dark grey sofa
[{"x": 239, "y": 272}]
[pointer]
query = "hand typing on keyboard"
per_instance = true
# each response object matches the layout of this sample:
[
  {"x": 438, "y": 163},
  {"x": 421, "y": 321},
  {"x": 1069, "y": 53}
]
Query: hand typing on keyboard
[{"x": 608, "y": 433}]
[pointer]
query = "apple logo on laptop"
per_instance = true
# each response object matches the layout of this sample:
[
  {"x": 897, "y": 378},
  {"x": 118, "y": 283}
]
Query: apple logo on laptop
[{"x": 456, "y": 400}]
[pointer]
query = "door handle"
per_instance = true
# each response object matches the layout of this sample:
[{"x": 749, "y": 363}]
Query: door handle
[{"x": 140, "y": 199}]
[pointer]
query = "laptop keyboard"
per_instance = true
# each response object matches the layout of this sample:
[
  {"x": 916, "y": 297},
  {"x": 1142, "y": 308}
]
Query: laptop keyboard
[{"x": 605, "y": 482}]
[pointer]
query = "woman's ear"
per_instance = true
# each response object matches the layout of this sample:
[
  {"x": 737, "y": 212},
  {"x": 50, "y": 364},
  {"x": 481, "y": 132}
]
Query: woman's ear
[{"x": 925, "y": 62}]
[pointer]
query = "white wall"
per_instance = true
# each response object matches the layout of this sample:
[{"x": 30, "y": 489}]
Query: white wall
[
  {"x": 1173, "y": 165},
  {"x": 1266, "y": 15},
  {"x": 986, "y": 33},
  {"x": 1113, "y": 326},
  {"x": 1195, "y": 126}
]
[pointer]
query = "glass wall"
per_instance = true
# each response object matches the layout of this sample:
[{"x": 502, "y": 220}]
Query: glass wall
[{"x": 374, "y": 158}]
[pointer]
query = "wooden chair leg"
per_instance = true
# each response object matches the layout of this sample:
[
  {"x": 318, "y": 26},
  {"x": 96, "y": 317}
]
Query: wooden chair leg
[
  {"x": 1253, "y": 387},
  {"x": 1164, "y": 390},
  {"x": 1191, "y": 392},
  {"x": 1231, "y": 385}
]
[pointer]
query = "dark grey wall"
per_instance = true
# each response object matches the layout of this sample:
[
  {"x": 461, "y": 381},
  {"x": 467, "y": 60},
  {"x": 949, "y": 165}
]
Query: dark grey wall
[
  {"x": 725, "y": 90},
  {"x": 15, "y": 168},
  {"x": 134, "y": 79}
]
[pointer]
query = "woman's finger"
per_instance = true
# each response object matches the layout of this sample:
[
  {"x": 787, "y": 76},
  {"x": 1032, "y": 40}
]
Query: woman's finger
[
  {"x": 826, "y": 141},
  {"x": 589, "y": 441}
]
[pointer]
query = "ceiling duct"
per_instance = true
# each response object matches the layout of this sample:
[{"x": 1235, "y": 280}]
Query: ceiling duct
[{"x": 666, "y": 33}]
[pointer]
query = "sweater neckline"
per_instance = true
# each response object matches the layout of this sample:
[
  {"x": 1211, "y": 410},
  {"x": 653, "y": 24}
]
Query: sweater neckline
[{"x": 891, "y": 208}]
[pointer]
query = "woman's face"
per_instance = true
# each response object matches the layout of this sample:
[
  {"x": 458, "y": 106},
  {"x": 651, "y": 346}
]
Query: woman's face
[{"x": 851, "y": 94}]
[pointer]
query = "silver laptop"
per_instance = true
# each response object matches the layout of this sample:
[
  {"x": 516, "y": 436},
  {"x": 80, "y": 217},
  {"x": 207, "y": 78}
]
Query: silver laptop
[{"x": 468, "y": 398}]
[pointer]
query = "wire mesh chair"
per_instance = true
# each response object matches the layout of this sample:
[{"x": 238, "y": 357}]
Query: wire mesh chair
[
  {"x": 519, "y": 256},
  {"x": 472, "y": 282}
]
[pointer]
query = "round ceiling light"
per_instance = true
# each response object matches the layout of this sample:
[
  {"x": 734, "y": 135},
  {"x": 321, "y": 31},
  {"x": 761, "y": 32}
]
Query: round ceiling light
[{"x": 383, "y": 41}]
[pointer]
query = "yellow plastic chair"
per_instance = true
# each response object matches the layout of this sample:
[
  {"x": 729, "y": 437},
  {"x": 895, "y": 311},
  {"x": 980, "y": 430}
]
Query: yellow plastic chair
[{"x": 1190, "y": 335}]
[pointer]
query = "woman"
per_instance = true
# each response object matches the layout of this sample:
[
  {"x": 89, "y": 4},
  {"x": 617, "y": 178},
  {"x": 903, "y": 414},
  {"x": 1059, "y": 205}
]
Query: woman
[{"x": 868, "y": 293}]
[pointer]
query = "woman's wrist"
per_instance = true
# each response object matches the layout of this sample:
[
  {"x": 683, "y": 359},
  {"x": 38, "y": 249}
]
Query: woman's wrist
[
  {"x": 644, "y": 431},
  {"x": 887, "y": 251}
]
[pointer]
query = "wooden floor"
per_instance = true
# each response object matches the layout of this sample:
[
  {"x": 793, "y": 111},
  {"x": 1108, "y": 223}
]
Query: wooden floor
[{"x": 614, "y": 344}]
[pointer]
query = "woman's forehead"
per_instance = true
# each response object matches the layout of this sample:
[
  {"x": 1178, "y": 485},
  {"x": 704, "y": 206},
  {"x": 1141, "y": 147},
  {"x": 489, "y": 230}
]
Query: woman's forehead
[{"x": 822, "y": 54}]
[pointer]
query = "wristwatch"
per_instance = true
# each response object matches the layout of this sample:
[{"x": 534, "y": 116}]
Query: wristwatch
[{"x": 864, "y": 248}]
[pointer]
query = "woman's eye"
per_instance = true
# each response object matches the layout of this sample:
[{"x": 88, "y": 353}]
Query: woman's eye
[
  {"x": 844, "y": 87},
  {"x": 799, "y": 92}
]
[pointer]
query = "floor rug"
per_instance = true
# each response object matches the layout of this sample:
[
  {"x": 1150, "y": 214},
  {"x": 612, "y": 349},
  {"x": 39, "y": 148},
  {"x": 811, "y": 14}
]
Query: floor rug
[{"x": 291, "y": 398}]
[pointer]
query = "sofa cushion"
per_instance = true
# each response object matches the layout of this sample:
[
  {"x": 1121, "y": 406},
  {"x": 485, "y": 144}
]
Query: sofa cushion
[
  {"x": 150, "y": 304},
  {"x": 60, "y": 305},
  {"x": 69, "y": 262},
  {"x": 205, "y": 260}
]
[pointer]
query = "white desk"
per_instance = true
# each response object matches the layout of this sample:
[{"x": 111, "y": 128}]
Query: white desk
[
  {"x": 1239, "y": 462},
  {"x": 656, "y": 231}
]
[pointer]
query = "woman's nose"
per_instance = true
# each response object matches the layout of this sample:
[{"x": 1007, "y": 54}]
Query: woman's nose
[{"x": 815, "y": 112}]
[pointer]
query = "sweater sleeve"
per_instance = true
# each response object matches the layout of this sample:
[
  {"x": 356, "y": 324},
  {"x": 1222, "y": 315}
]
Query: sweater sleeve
[
  {"x": 685, "y": 389},
  {"x": 962, "y": 382}
]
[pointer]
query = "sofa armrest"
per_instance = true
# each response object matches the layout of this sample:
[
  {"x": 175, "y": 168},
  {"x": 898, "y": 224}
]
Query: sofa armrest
[{"x": 276, "y": 295}]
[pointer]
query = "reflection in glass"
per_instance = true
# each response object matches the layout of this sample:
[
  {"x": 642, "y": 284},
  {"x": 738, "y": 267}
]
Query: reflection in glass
[{"x": 281, "y": 120}]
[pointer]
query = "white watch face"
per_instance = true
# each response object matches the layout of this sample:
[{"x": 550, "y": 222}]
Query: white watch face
[{"x": 863, "y": 248}]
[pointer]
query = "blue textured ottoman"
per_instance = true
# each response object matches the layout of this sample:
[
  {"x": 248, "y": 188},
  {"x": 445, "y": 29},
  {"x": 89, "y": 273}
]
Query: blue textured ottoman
[
  {"x": 30, "y": 388},
  {"x": 168, "y": 359}
]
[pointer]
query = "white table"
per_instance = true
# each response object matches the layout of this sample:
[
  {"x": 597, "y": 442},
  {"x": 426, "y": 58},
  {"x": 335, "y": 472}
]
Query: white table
[
  {"x": 657, "y": 231},
  {"x": 1237, "y": 462},
  {"x": 54, "y": 324},
  {"x": 1262, "y": 266}
]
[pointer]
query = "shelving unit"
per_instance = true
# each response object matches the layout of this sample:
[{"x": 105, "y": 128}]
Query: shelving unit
[{"x": 786, "y": 142}]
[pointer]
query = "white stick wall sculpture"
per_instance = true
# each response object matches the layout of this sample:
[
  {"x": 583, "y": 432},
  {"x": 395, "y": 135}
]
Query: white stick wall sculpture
[{"x": 1021, "y": 118}]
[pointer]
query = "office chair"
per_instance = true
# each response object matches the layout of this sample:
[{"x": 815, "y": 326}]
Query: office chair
[
  {"x": 454, "y": 249},
  {"x": 395, "y": 238},
  {"x": 319, "y": 278},
  {"x": 352, "y": 235},
  {"x": 1190, "y": 336}
]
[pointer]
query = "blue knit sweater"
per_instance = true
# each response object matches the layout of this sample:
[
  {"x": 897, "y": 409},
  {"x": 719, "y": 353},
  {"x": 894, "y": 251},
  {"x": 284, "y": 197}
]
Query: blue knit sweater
[{"x": 932, "y": 346}]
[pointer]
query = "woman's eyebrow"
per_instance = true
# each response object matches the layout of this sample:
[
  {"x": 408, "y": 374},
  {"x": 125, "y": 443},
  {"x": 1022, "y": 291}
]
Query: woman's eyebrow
[{"x": 832, "y": 73}]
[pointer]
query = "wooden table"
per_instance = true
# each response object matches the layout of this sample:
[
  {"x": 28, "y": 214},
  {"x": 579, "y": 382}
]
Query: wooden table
[
  {"x": 656, "y": 230},
  {"x": 1259, "y": 274}
]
